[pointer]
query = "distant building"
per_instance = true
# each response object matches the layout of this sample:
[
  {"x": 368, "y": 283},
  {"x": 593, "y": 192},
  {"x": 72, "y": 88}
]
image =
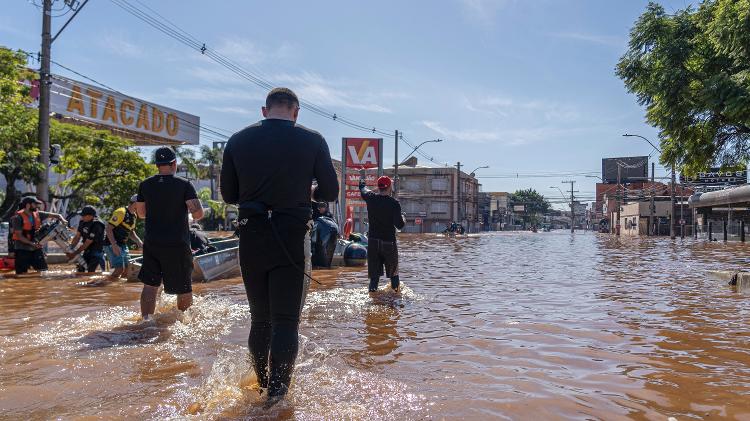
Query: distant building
[{"x": 430, "y": 199}]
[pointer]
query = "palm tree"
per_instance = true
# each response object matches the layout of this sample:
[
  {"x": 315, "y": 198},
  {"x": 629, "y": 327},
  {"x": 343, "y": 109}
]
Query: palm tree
[{"x": 211, "y": 157}]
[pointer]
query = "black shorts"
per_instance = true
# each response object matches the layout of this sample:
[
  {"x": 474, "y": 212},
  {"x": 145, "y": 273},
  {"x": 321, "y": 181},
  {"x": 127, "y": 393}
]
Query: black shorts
[
  {"x": 26, "y": 259},
  {"x": 93, "y": 259},
  {"x": 171, "y": 264},
  {"x": 382, "y": 253}
]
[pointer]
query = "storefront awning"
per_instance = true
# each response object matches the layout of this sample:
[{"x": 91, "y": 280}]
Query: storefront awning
[{"x": 734, "y": 195}]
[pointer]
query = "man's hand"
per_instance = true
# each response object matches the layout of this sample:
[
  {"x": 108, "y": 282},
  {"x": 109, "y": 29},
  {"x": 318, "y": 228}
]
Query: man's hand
[{"x": 116, "y": 250}]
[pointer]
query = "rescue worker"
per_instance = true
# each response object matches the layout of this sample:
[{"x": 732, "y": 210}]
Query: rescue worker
[
  {"x": 384, "y": 215},
  {"x": 25, "y": 225},
  {"x": 120, "y": 228},
  {"x": 165, "y": 200},
  {"x": 91, "y": 231},
  {"x": 321, "y": 209},
  {"x": 268, "y": 170}
]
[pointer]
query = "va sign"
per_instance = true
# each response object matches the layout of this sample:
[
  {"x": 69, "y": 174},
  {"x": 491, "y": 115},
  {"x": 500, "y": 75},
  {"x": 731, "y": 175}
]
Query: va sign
[{"x": 362, "y": 153}]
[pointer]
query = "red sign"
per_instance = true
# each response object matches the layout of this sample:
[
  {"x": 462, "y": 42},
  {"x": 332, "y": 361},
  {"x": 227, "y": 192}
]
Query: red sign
[
  {"x": 362, "y": 153},
  {"x": 418, "y": 221},
  {"x": 353, "y": 194},
  {"x": 358, "y": 203},
  {"x": 353, "y": 180}
]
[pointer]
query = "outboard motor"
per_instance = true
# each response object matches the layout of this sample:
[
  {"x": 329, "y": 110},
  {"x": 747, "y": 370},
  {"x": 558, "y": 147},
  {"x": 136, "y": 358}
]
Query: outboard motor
[
  {"x": 56, "y": 232},
  {"x": 323, "y": 238},
  {"x": 355, "y": 254}
]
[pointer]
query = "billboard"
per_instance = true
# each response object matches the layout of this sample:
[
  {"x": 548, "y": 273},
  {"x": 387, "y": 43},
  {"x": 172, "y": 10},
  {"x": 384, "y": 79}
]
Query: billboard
[
  {"x": 716, "y": 177},
  {"x": 360, "y": 157},
  {"x": 632, "y": 169},
  {"x": 116, "y": 111}
]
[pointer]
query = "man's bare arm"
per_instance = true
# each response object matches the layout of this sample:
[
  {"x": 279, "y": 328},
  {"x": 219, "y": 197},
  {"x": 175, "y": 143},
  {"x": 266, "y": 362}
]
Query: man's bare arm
[
  {"x": 140, "y": 209},
  {"x": 195, "y": 208},
  {"x": 109, "y": 230},
  {"x": 136, "y": 238}
]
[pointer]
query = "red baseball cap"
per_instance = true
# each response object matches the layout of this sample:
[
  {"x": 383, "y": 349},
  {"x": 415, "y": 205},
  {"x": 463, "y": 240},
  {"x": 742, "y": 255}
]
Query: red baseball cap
[{"x": 384, "y": 182}]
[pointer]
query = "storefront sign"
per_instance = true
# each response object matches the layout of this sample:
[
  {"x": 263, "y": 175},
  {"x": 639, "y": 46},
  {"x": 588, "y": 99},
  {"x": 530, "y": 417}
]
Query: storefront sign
[
  {"x": 114, "y": 110},
  {"x": 716, "y": 177}
]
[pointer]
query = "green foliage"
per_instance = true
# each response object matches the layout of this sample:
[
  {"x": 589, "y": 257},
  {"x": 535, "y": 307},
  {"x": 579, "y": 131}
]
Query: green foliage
[
  {"x": 104, "y": 169},
  {"x": 534, "y": 203},
  {"x": 691, "y": 70},
  {"x": 19, "y": 152}
]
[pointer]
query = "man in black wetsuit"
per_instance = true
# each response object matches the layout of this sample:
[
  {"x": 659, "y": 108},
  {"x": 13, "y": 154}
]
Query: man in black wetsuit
[
  {"x": 267, "y": 171},
  {"x": 384, "y": 215}
]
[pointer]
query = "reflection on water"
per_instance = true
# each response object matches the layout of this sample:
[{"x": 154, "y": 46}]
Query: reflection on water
[{"x": 503, "y": 325}]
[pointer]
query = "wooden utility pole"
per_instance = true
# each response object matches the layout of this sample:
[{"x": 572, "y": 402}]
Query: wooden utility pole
[
  {"x": 572, "y": 207},
  {"x": 395, "y": 165},
  {"x": 671, "y": 217},
  {"x": 619, "y": 198},
  {"x": 652, "y": 206},
  {"x": 458, "y": 193},
  {"x": 42, "y": 187}
]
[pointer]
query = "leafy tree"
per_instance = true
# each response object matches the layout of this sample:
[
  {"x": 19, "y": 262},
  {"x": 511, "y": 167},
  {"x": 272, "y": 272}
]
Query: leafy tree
[
  {"x": 691, "y": 70},
  {"x": 191, "y": 162},
  {"x": 104, "y": 169},
  {"x": 534, "y": 203},
  {"x": 19, "y": 151}
]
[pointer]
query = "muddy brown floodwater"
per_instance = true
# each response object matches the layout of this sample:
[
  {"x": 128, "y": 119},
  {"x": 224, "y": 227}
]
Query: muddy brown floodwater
[{"x": 495, "y": 326}]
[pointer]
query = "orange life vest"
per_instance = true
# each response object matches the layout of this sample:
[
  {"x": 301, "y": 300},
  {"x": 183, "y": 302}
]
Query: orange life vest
[{"x": 28, "y": 229}]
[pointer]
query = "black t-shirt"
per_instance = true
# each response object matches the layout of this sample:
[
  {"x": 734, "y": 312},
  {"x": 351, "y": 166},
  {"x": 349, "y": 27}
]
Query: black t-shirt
[
  {"x": 123, "y": 222},
  {"x": 384, "y": 215},
  {"x": 274, "y": 162},
  {"x": 94, "y": 231},
  {"x": 166, "y": 211}
]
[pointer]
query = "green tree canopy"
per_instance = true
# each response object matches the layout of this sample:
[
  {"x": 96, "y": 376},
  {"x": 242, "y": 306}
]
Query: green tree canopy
[
  {"x": 534, "y": 203},
  {"x": 19, "y": 152},
  {"x": 104, "y": 170},
  {"x": 691, "y": 70}
]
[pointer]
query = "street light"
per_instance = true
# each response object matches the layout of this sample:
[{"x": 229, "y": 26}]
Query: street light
[
  {"x": 671, "y": 217},
  {"x": 561, "y": 192},
  {"x": 419, "y": 146},
  {"x": 478, "y": 168}
]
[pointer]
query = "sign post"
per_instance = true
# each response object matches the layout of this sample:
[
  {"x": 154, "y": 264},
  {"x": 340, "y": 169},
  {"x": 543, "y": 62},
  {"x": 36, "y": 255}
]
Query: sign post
[{"x": 358, "y": 156}]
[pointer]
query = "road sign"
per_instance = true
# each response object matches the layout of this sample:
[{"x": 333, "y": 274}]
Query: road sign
[{"x": 418, "y": 221}]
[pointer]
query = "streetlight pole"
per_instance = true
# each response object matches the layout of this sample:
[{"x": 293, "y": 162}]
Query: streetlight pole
[
  {"x": 417, "y": 147},
  {"x": 672, "y": 190},
  {"x": 475, "y": 201}
]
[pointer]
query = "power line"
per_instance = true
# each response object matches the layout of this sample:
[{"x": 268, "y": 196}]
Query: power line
[{"x": 173, "y": 31}]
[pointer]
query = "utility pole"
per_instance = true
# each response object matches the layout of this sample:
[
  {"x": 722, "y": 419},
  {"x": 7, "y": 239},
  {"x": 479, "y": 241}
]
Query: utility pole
[
  {"x": 395, "y": 166},
  {"x": 671, "y": 217},
  {"x": 651, "y": 206},
  {"x": 42, "y": 188},
  {"x": 619, "y": 198},
  {"x": 572, "y": 207},
  {"x": 458, "y": 193}
]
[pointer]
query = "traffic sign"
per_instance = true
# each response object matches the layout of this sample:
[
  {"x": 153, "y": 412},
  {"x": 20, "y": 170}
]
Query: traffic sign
[{"x": 418, "y": 221}]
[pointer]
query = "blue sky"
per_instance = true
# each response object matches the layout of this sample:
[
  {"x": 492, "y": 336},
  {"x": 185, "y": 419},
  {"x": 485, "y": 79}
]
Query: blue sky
[{"x": 524, "y": 86}]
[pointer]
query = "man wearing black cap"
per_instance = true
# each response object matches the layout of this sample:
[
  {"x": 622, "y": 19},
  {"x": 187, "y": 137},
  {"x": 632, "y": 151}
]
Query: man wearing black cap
[
  {"x": 164, "y": 200},
  {"x": 91, "y": 231},
  {"x": 268, "y": 170},
  {"x": 25, "y": 225}
]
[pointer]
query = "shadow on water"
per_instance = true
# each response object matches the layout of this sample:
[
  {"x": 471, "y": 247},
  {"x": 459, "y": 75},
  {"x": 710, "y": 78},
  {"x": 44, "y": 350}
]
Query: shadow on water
[{"x": 142, "y": 333}]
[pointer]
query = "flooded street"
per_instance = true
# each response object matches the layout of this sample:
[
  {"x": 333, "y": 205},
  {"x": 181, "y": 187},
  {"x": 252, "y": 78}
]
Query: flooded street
[{"x": 493, "y": 326}]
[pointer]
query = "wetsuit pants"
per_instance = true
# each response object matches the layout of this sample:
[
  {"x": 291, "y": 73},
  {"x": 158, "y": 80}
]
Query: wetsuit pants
[{"x": 276, "y": 287}]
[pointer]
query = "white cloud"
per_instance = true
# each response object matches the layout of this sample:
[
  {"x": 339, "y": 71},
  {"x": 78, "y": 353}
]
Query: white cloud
[
  {"x": 482, "y": 11},
  {"x": 313, "y": 88},
  {"x": 118, "y": 44},
  {"x": 505, "y": 107},
  {"x": 511, "y": 137},
  {"x": 235, "y": 110},
  {"x": 609, "y": 40}
]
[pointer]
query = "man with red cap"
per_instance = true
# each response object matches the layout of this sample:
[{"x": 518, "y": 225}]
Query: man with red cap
[{"x": 384, "y": 214}]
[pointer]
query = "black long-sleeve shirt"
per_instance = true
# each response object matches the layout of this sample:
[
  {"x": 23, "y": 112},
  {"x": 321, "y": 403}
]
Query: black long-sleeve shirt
[
  {"x": 384, "y": 215},
  {"x": 274, "y": 162}
]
